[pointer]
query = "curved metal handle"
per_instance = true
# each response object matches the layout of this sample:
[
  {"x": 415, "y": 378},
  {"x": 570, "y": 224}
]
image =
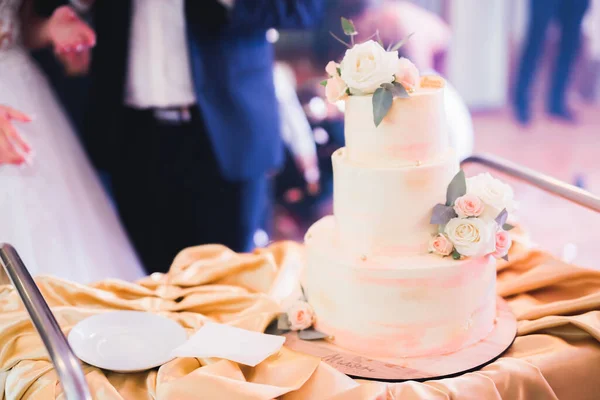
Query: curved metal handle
[
  {"x": 65, "y": 362},
  {"x": 544, "y": 182}
]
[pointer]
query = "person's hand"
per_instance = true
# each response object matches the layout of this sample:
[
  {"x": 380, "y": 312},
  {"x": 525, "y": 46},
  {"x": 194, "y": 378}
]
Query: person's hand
[
  {"x": 71, "y": 39},
  {"x": 13, "y": 148},
  {"x": 75, "y": 62},
  {"x": 309, "y": 167}
]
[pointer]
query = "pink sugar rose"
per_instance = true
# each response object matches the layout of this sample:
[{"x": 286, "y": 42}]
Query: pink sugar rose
[
  {"x": 331, "y": 68},
  {"x": 440, "y": 244},
  {"x": 407, "y": 74},
  {"x": 468, "y": 206},
  {"x": 301, "y": 316},
  {"x": 335, "y": 89},
  {"x": 503, "y": 243}
]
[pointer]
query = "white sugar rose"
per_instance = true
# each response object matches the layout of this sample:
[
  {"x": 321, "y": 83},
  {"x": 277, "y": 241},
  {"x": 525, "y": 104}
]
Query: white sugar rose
[
  {"x": 366, "y": 66},
  {"x": 407, "y": 74},
  {"x": 495, "y": 194},
  {"x": 439, "y": 244},
  {"x": 472, "y": 237},
  {"x": 301, "y": 316}
]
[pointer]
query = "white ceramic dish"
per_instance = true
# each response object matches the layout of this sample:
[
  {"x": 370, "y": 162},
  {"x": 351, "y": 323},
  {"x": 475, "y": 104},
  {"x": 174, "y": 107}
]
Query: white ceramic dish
[{"x": 126, "y": 341}]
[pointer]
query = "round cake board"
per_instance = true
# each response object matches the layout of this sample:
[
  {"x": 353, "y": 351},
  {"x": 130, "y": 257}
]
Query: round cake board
[{"x": 415, "y": 368}]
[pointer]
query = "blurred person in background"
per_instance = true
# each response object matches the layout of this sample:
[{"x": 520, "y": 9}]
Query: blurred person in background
[
  {"x": 590, "y": 85},
  {"x": 52, "y": 206},
  {"x": 569, "y": 14},
  {"x": 183, "y": 115},
  {"x": 299, "y": 180}
]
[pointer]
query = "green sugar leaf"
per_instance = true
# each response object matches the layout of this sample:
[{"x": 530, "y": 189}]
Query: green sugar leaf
[
  {"x": 348, "y": 27},
  {"x": 456, "y": 188},
  {"x": 507, "y": 227},
  {"x": 382, "y": 102},
  {"x": 324, "y": 82},
  {"x": 311, "y": 334},
  {"x": 400, "y": 91},
  {"x": 442, "y": 214},
  {"x": 283, "y": 322},
  {"x": 456, "y": 255},
  {"x": 501, "y": 218}
]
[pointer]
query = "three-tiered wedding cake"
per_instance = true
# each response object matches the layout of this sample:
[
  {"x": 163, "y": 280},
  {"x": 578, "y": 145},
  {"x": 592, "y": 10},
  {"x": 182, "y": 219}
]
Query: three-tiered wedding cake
[{"x": 405, "y": 267}]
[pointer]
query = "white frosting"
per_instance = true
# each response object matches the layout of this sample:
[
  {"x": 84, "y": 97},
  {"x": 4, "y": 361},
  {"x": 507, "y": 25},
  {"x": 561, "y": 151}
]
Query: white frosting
[
  {"x": 369, "y": 277},
  {"x": 386, "y": 210},
  {"x": 413, "y": 130},
  {"x": 397, "y": 306}
]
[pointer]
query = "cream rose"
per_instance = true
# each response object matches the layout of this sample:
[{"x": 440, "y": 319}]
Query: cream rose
[
  {"x": 503, "y": 243},
  {"x": 366, "y": 66},
  {"x": 471, "y": 237},
  {"x": 331, "y": 68},
  {"x": 407, "y": 74},
  {"x": 439, "y": 244},
  {"x": 495, "y": 194},
  {"x": 335, "y": 89},
  {"x": 468, "y": 206},
  {"x": 301, "y": 316}
]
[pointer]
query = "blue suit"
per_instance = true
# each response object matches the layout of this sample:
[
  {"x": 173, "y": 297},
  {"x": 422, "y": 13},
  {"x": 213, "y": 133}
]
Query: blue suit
[
  {"x": 232, "y": 72},
  {"x": 204, "y": 181}
]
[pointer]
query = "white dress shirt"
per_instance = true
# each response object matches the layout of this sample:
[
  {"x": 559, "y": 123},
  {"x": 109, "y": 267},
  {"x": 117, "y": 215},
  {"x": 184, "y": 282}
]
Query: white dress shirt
[{"x": 158, "y": 72}]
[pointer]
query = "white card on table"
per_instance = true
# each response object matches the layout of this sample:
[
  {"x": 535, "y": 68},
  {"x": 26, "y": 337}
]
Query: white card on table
[{"x": 230, "y": 343}]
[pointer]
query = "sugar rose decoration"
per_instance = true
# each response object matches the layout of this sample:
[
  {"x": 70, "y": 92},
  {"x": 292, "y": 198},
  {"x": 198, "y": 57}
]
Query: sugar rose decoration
[
  {"x": 440, "y": 244},
  {"x": 472, "y": 222},
  {"x": 300, "y": 317},
  {"x": 370, "y": 69},
  {"x": 471, "y": 237}
]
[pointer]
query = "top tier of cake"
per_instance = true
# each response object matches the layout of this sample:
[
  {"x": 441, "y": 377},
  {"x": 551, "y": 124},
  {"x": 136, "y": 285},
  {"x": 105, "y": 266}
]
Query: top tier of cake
[{"x": 414, "y": 130}]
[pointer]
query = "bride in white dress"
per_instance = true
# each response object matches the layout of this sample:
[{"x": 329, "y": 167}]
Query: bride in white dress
[{"x": 52, "y": 206}]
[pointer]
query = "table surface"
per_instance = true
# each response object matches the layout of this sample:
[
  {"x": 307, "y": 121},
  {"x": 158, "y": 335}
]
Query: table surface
[{"x": 556, "y": 353}]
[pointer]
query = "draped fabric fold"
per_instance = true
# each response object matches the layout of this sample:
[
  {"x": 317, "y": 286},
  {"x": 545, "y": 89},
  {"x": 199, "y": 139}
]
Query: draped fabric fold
[{"x": 556, "y": 353}]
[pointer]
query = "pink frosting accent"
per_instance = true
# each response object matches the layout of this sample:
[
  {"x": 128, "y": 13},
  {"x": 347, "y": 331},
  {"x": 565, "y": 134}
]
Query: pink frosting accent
[
  {"x": 415, "y": 151},
  {"x": 472, "y": 269},
  {"x": 408, "y": 342}
]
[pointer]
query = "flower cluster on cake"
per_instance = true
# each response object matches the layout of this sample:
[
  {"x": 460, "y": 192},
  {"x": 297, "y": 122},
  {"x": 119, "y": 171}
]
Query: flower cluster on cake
[
  {"x": 472, "y": 222},
  {"x": 368, "y": 68}
]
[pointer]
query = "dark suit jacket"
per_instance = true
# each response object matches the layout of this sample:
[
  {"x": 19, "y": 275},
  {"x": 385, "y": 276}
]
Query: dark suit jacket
[{"x": 232, "y": 72}]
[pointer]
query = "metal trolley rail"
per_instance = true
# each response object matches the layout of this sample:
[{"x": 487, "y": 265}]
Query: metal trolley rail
[{"x": 68, "y": 365}]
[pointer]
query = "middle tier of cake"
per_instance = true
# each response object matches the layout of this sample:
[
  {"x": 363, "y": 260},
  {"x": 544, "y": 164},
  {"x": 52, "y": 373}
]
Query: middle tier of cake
[{"x": 386, "y": 210}]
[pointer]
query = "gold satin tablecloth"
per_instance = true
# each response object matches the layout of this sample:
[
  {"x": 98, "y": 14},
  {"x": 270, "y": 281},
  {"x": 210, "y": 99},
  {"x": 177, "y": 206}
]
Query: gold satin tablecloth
[{"x": 556, "y": 353}]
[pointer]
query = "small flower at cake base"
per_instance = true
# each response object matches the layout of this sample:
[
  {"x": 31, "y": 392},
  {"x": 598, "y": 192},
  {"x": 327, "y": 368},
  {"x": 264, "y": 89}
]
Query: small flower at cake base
[
  {"x": 301, "y": 316},
  {"x": 332, "y": 69},
  {"x": 471, "y": 237},
  {"x": 440, "y": 244},
  {"x": 407, "y": 74},
  {"x": 366, "y": 66},
  {"x": 495, "y": 194},
  {"x": 503, "y": 243},
  {"x": 335, "y": 89},
  {"x": 468, "y": 205}
]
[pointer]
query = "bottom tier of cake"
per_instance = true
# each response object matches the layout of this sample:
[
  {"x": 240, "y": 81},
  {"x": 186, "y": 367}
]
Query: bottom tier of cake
[{"x": 392, "y": 307}]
